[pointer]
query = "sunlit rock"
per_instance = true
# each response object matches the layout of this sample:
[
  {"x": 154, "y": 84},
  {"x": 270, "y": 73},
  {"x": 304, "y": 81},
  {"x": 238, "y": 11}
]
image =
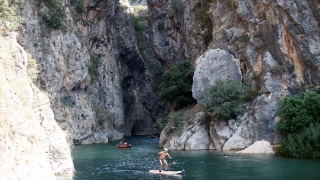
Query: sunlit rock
[
  {"x": 32, "y": 145},
  {"x": 259, "y": 147},
  {"x": 194, "y": 136},
  {"x": 215, "y": 64}
]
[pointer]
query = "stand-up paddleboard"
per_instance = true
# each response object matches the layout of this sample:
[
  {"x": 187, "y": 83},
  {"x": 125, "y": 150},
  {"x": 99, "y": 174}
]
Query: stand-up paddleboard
[{"x": 166, "y": 172}]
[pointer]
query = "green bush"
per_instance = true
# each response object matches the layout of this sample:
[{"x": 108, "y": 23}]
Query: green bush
[
  {"x": 300, "y": 124},
  {"x": 78, "y": 6},
  {"x": 223, "y": 99},
  {"x": 297, "y": 112},
  {"x": 177, "y": 5},
  {"x": 95, "y": 61},
  {"x": 203, "y": 18},
  {"x": 7, "y": 14},
  {"x": 176, "y": 85},
  {"x": 138, "y": 8},
  {"x": 139, "y": 23},
  {"x": 54, "y": 15},
  {"x": 304, "y": 144}
]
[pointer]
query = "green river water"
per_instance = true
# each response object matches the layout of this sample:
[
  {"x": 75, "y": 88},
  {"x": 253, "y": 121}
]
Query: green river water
[{"x": 105, "y": 161}]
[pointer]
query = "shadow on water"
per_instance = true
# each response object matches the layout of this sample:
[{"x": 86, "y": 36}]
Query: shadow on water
[{"x": 105, "y": 161}]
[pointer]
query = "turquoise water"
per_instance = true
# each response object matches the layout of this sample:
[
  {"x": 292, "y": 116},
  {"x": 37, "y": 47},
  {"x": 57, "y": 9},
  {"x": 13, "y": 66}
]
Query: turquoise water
[{"x": 105, "y": 161}]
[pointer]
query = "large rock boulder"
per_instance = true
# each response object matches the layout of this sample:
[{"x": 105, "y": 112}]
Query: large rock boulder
[
  {"x": 259, "y": 147},
  {"x": 215, "y": 64}
]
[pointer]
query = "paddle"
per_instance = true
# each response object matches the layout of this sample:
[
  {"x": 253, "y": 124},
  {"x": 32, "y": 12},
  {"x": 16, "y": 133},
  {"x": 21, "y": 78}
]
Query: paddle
[{"x": 173, "y": 162}]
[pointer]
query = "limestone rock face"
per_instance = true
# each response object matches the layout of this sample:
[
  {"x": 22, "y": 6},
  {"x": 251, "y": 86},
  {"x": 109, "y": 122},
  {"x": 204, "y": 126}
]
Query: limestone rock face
[
  {"x": 125, "y": 72},
  {"x": 220, "y": 132},
  {"x": 174, "y": 33},
  {"x": 276, "y": 45},
  {"x": 259, "y": 147},
  {"x": 91, "y": 108},
  {"x": 32, "y": 145},
  {"x": 194, "y": 136},
  {"x": 63, "y": 61}
]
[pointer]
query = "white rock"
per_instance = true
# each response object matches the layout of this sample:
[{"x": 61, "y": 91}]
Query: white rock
[
  {"x": 215, "y": 64},
  {"x": 259, "y": 147},
  {"x": 32, "y": 145}
]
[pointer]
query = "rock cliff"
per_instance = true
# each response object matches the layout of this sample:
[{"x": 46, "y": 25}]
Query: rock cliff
[
  {"x": 88, "y": 62},
  {"x": 90, "y": 66},
  {"x": 272, "y": 46},
  {"x": 100, "y": 67},
  {"x": 32, "y": 145}
]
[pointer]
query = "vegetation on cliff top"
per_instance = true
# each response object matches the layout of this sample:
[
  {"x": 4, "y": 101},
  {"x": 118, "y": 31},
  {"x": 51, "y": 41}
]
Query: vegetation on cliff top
[
  {"x": 300, "y": 124},
  {"x": 7, "y": 14}
]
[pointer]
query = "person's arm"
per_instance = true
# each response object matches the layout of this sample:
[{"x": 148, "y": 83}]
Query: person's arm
[{"x": 169, "y": 156}]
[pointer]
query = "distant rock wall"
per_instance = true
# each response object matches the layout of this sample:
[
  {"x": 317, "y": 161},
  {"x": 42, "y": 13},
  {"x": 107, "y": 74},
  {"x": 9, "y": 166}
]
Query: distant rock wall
[
  {"x": 173, "y": 32},
  {"x": 90, "y": 108},
  {"x": 125, "y": 71},
  {"x": 32, "y": 145},
  {"x": 63, "y": 61}
]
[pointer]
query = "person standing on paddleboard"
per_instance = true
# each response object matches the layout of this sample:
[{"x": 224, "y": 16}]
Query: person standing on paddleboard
[{"x": 162, "y": 160}]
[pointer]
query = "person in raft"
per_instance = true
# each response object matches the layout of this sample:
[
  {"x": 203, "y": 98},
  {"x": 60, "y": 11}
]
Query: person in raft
[
  {"x": 121, "y": 142},
  {"x": 162, "y": 160}
]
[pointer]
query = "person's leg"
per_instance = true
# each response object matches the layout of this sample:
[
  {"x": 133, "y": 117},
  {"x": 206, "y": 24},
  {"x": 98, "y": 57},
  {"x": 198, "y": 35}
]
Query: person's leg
[
  {"x": 160, "y": 161},
  {"x": 165, "y": 162}
]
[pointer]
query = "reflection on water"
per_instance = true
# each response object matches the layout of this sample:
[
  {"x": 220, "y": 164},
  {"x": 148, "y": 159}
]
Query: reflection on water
[{"x": 105, "y": 161}]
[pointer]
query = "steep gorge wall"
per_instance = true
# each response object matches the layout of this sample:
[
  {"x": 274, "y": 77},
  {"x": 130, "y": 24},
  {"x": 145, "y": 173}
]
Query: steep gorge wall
[
  {"x": 275, "y": 44},
  {"x": 32, "y": 145},
  {"x": 89, "y": 108},
  {"x": 115, "y": 37},
  {"x": 173, "y": 31}
]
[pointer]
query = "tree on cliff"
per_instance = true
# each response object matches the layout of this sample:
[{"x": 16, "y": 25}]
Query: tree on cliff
[{"x": 176, "y": 85}]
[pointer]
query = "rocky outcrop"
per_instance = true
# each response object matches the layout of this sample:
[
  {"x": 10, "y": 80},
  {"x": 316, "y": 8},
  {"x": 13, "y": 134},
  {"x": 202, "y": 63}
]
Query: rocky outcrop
[
  {"x": 286, "y": 29},
  {"x": 194, "y": 136},
  {"x": 32, "y": 145},
  {"x": 220, "y": 132},
  {"x": 259, "y": 147},
  {"x": 215, "y": 64},
  {"x": 275, "y": 45}
]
